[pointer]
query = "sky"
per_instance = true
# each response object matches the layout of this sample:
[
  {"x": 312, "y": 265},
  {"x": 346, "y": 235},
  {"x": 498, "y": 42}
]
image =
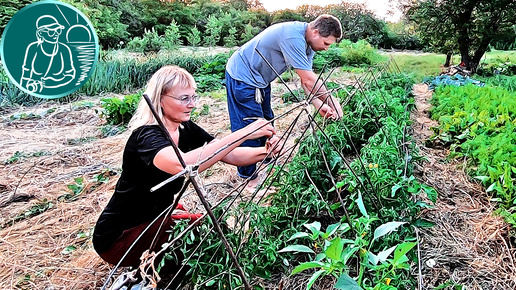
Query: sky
[{"x": 379, "y": 7}]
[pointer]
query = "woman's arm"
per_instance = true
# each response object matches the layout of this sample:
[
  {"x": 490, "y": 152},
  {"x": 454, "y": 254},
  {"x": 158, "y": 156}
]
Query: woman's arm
[
  {"x": 167, "y": 160},
  {"x": 242, "y": 156}
]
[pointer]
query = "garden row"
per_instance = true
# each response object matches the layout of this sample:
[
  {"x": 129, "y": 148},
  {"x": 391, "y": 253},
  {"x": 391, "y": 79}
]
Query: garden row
[
  {"x": 352, "y": 220},
  {"x": 479, "y": 124}
]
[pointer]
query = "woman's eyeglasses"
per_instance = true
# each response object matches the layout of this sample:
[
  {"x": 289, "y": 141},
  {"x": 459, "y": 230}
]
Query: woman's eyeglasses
[{"x": 186, "y": 99}]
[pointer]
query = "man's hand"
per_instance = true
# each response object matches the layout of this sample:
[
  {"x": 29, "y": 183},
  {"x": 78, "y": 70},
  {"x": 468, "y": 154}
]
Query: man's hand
[{"x": 328, "y": 113}]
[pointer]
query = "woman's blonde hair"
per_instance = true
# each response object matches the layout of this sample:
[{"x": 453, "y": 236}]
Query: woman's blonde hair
[{"x": 160, "y": 83}]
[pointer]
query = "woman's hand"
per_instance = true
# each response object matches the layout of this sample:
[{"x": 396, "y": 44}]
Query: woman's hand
[
  {"x": 274, "y": 146},
  {"x": 259, "y": 128}
]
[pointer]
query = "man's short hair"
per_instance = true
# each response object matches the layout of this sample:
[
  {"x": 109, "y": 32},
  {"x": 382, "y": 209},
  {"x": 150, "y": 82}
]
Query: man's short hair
[{"x": 327, "y": 25}]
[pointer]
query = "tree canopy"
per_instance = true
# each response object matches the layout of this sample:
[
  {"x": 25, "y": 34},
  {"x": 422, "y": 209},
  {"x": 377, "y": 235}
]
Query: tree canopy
[{"x": 466, "y": 26}]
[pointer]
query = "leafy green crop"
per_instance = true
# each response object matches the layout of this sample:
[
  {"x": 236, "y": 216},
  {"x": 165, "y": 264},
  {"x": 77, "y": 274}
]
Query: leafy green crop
[
  {"x": 480, "y": 123},
  {"x": 378, "y": 191}
]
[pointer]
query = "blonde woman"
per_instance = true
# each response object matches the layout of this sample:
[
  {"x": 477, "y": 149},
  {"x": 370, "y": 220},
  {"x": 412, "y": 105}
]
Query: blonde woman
[{"x": 149, "y": 159}]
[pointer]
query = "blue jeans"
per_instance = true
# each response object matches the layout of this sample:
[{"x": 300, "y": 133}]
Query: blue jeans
[{"x": 242, "y": 104}]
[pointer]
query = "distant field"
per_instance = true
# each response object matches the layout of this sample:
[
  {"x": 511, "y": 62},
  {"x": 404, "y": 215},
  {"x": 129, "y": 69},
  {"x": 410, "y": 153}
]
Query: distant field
[{"x": 427, "y": 64}]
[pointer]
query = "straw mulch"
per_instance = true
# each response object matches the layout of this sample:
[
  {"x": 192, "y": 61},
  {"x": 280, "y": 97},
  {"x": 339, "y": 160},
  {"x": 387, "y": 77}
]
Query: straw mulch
[
  {"x": 51, "y": 248},
  {"x": 468, "y": 244}
]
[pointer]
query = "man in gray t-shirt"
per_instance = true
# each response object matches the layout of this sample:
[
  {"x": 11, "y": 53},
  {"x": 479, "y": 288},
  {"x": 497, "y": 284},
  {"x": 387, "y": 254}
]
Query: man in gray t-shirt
[{"x": 284, "y": 45}]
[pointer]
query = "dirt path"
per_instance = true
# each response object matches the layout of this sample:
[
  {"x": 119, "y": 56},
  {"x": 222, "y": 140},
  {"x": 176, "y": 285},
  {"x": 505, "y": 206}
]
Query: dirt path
[{"x": 468, "y": 245}]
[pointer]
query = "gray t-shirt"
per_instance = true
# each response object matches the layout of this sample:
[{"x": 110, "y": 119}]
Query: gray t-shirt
[{"x": 283, "y": 45}]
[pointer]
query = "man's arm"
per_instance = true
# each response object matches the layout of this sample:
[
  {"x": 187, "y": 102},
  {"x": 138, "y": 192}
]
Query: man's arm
[{"x": 329, "y": 105}]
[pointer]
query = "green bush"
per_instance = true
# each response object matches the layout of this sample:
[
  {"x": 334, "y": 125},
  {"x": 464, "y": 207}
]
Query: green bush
[
  {"x": 194, "y": 36},
  {"x": 151, "y": 41},
  {"x": 506, "y": 68},
  {"x": 347, "y": 53},
  {"x": 119, "y": 111},
  {"x": 210, "y": 76},
  {"x": 172, "y": 38},
  {"x": 358, "y": 53}
]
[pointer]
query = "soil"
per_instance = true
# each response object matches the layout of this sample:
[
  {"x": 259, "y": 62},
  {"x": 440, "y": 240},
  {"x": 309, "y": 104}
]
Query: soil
[{"x": 45, "y": 228}]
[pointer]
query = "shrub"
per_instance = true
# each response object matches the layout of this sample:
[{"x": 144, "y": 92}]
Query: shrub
[
  {"x": 151, "y": 41},
  {"x": 347, "y": 53},
  {"x": 172, "y": 36},
  {"x": 358, "y": 53},
  {"x": 119, "y": 111},
  {"x": 497, "y": 68},
  {"x": 194, "y": 37}
]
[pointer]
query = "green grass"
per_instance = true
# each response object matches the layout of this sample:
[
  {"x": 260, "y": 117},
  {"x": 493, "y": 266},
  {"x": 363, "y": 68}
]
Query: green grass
[
  {"x": 430, "y": 64},
  {"x": 420, "y": 65},
  {"x": 500, "y": 55}
]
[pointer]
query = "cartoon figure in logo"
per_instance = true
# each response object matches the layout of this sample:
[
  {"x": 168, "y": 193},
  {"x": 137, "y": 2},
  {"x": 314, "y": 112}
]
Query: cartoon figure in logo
[{"x": 48, "y": 63}]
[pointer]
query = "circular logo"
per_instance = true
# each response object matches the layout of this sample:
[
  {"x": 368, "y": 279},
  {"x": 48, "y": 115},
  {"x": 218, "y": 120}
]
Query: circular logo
[{"x": 49, "y": 49}]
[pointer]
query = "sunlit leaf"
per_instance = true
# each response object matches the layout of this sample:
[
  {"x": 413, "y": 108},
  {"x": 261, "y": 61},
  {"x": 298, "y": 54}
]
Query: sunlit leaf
[
  {"x": 314, "y": 278},
  {"x": 386, "y": 228},
  {"x": 297, "y": 248},
  {"x": 345, "y": 282},
  {"x": 334, "y": 251},
  {"x": 314, "y": 227},
  {"x": 361, "y": 206},
  {"x": 298, "y": 235},
  {"x": 307, "y": 265},
  {"x": 401, "y": 250},
  {"x": 383, "y": 255}
]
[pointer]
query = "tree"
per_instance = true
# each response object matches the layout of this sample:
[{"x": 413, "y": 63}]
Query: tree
[
  {"x": 287, "y": 15},
  {"x": 470, "y": 24},
  {"x": 358, "y": 22}
]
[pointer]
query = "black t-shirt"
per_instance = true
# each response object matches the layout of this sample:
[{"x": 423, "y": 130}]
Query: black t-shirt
[{"x": 132, "y": 203}]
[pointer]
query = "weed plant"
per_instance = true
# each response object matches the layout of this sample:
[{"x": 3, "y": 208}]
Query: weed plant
[
  {"x": 374, "y": 127},
  {"x": 119, "y": 111},
  {"x": 480, "y": 123}
]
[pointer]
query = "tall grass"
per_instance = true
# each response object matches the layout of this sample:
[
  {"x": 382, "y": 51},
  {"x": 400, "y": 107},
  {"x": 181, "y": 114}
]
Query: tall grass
[
  {"x": 122, "y": 75},
  {"x": 11, "y": 95},
  {"x": 500, "y": 55},
  {"x": 420, "y": 65}
]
